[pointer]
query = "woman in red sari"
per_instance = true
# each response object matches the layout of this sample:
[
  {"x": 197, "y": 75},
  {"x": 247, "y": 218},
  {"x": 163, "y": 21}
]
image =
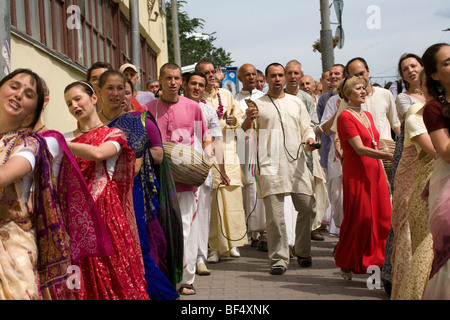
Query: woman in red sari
[
  {"x": 108, "y": 166},
  {"x": 367, "y": 206}
]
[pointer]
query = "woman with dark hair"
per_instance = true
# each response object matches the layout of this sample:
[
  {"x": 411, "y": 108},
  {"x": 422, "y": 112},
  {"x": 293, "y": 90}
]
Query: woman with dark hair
[
  {"x": 406, "y": 162},
  {"x": 366, "y": 198},
  {"x": 148, "y": 150},
  {"x": 437, "y": 120},
  {"x": 82, "y": 220},
  {"x": 108, "y": 165},
  {"x": 417, "y": 270},
  {"x": 31, "y": 239}
]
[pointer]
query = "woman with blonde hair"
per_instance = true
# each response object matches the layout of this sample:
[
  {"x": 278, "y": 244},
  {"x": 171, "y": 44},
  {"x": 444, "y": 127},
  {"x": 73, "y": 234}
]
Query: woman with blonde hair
[{"x": 366, "y": 200}]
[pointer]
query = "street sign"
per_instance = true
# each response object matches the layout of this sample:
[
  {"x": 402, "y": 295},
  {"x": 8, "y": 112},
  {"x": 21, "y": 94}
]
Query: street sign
[
  {"x": 339, "y": 8},
  {"x": 340, "y": 34}
]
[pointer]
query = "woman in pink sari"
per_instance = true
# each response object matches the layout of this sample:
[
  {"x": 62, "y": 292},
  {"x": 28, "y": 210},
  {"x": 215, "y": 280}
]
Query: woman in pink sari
[
  {"x": 108, "y": 165},
  {"x": 437, "y": 120}
]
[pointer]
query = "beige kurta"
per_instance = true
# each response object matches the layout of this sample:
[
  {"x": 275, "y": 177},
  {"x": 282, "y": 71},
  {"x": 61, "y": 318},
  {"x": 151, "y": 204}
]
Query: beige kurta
[
  {"x": 279, "y": 172},
  {"x": 232, "y": 161}
]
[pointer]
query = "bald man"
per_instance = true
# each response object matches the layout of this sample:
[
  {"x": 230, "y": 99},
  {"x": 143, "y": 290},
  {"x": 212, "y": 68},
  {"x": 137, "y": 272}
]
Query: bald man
[{"x": 248, "y": 76}]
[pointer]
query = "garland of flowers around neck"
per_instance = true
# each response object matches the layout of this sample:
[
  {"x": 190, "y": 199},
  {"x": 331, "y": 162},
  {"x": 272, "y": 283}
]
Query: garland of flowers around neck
[{"x": 220, "y": 109}]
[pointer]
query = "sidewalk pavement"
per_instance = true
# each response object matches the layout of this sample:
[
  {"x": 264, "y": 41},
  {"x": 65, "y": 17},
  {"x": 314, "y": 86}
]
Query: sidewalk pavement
[{"x": 248, "y": 278}]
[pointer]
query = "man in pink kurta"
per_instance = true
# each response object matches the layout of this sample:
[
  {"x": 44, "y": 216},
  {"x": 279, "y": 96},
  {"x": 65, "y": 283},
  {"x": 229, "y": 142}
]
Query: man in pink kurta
[{"x": 178, "y": 118}]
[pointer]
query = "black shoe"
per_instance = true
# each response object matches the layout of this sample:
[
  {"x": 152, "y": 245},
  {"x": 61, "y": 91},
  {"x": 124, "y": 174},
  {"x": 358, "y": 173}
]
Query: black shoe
[
  {"x": 254, "y": 243},
  {"x": 262, "y": 246},
  {"x": 304, "y": 262},
  {"x": 277, "y": 270}
]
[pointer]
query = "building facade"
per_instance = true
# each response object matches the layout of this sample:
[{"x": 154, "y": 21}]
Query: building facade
[{"x": 61, "y": 39}]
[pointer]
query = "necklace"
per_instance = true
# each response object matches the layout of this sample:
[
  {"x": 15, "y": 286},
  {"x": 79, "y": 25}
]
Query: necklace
[
  {"x": 40, "y": 129},
  {"x": 109, "y": 118},
  {"x": 220, "y": 109},
  {"x": 90, "y": 129},
  {"x": 417, "y": 91},
  {"x": 369, "y": 129}
]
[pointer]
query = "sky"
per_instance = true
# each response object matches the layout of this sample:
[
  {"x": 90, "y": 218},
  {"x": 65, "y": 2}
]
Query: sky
[{"x": 264, "y": 31}]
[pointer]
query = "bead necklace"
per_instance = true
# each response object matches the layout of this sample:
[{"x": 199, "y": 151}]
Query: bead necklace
[{"x": 369, "y": 129}]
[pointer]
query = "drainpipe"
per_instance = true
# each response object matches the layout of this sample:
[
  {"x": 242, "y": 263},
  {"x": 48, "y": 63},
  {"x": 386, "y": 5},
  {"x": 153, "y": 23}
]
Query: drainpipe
[
  {"x": 135, "y": 39},
  {"x": 5, "y": 38},
  {"x": 176, "y": 33}
]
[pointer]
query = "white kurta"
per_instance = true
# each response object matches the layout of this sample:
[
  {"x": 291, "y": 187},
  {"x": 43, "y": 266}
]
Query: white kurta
[
  {"x": 253, "y": 207},
  {"x": 280, "y": 170}
]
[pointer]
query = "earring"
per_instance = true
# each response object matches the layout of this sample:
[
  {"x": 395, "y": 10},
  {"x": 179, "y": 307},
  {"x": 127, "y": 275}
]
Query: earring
[{"x": 441, "y": 93}]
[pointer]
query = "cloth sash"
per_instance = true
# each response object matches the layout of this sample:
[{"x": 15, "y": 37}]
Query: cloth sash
[{"x": 84, "y": 225}]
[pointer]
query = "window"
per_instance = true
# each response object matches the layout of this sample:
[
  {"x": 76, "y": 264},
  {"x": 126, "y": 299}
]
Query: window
[{"x": 104, "y": 33}]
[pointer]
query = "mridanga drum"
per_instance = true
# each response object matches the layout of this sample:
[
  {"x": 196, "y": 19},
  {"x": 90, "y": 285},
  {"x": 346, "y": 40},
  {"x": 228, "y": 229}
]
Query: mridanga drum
[{"x": 188, "y": 166}]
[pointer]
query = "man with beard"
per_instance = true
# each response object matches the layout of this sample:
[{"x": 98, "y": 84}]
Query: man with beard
[{"x": 284, "y": 170}]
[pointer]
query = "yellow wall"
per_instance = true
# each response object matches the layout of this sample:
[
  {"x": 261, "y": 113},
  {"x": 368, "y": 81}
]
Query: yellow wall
[{"x": 58, "y": 74}]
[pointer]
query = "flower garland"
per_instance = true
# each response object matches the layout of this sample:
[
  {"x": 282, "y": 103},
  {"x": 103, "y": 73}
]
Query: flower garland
[
  {"x": 220, "y": 109},
  {"x": 316, "y": 44}
]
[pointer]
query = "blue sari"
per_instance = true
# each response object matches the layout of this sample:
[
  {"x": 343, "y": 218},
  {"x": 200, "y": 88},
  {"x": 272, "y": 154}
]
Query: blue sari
[{"x": 146, "y": 207}]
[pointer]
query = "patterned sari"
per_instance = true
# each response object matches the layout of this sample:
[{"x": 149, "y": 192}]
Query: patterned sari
[
  {"x": 146, "y": 205},
  {"x": 119, "y": 276},
  {"x": 30, "y": 240},
  {"x": 169, "y": 215},
  {"x": 82, "y": 220}
]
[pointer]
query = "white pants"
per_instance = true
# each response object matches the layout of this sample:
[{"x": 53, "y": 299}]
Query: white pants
[
  {"x": 188, "y": 206},
  {"x": 203, "y": 221},
  {"x": 254, "y": 208}
]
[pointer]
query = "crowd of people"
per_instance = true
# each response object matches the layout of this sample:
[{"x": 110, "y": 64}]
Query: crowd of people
[{"x": 117, "y": 208}]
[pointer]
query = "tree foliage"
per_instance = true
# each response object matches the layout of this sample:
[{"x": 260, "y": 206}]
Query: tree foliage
[{"x": 193, "y": 49}]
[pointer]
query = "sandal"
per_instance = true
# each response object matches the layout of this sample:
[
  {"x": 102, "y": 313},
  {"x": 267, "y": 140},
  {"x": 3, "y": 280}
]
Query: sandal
[
  {"x": 277, "y": 270},
  {"x": 346, "y": 274},
  {"x": 188, "y": 287}
]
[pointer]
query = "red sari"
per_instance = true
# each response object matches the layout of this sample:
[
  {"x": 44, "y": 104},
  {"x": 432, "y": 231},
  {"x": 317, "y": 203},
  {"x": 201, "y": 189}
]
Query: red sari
[
  {"x": 367, "y": 206},
  {"x": 119, "y": 276}
]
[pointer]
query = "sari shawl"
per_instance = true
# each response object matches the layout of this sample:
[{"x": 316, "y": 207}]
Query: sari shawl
[
  {"x": 31, "y": 240},
  {"x": 84, "y": 225},
  {"x": 439, "y": 210},
  {"x": 119, "y": 276},
  {"x": 146, "y": 205},
  {"x": 169, "y": 215}
]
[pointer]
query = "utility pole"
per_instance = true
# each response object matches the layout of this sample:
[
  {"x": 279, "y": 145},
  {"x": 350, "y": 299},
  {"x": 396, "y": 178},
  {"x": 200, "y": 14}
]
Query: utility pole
[
  {"x": 135, "y": 39},
  {"x": 326, "y": 36},
  {"x": 5, "y": 38},
  {"x": 176, "y": 34}
]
